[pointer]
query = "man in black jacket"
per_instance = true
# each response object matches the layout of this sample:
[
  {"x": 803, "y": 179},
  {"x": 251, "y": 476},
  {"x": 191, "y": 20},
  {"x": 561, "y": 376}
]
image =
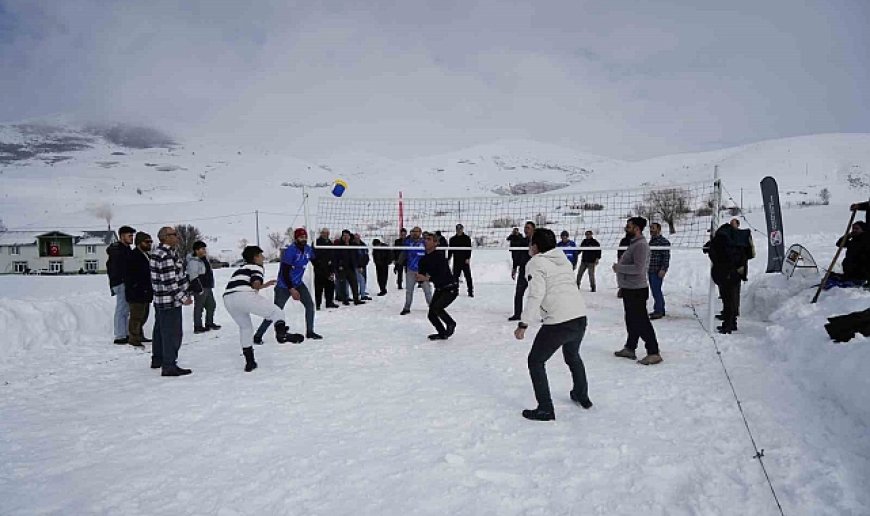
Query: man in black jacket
[
  {"x": 116, "y": 265},
  {"x": 461, "y": 259},
  {"x": 345, "y": 264},
  {"x": 589, "y": 259},
  {"x": 433, "y": 268},
  {"x": 382, "y": 259},
  {"x": 323, "y": 275},
  {"x": 399, "y": 258},
  {"x": 726, "y": 259},
  {"x": 520, "y": 259},
  {"x": 137, "y": 288},
  {"x": 856, "y": 263}
]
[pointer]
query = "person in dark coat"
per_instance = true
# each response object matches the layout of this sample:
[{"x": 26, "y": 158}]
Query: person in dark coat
[
  {"x": 345, "y": 263},
  {"x": 116, "y": 266},
  {"x": 589, "y": 259},
  {"x": 399, "y": 258},
  {"x": 363, "y": 259},
  {"x": 461, "y": 259},
  {"x": 382, "y": 259},
  {"x": 433, "y": 268},
  {"x": 726, "y": 258},
  {"x": 324, "y": 280},
  {"x": 518, "y": 269},
  {"x": 856, "y": 263},
  {"x": 137, "y": 289}
]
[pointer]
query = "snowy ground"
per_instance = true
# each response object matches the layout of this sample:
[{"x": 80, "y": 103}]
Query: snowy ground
[{"x": 375, "y": 419}]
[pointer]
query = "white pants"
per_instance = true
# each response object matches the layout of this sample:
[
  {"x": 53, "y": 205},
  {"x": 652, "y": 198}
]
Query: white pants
[{"x": 240, "y": 306}]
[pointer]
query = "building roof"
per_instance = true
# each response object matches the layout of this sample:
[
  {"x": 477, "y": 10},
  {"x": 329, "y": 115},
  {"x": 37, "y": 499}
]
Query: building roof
[
  {"x": 8, "y": 238},
  {"x": 19, "y": 237}
]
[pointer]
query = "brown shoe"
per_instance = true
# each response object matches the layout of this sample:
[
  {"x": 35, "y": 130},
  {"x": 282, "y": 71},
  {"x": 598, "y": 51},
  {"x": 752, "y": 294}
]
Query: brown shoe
[
  {"x": 650, "y": 360},
  {"x": 626, "y": 353}
]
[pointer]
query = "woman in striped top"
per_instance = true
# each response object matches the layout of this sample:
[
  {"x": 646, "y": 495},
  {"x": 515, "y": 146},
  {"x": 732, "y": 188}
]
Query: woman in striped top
[{"x": 241, "y": 299}]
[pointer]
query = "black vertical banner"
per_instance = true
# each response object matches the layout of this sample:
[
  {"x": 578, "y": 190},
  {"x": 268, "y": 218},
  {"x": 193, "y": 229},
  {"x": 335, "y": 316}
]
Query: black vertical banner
[{"x": 773, "y": 214}]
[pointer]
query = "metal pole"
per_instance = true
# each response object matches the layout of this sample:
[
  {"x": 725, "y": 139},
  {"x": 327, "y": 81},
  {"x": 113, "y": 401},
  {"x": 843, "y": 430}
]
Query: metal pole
[
  {"x": 257, "y": 223},
  {"x": 714, "y": 224},
  {"x": 305, "y": 206}
]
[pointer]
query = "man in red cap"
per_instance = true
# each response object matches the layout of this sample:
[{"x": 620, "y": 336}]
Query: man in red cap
[{"x": 293, "y": 261}]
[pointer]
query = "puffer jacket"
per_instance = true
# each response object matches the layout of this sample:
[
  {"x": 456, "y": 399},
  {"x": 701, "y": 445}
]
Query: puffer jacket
[{"x": 552, "y": 294}]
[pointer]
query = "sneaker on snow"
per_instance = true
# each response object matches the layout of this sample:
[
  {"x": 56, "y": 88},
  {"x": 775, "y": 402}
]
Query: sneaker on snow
[
  {"x": 625, "y": 353},
  {"x": 514, "y": 318},
  {"x": 125, "y": 340},
  {"x": 213, "y": 326},
  {"x": 404, "y": 311},
  {"x": 137, "y": 345},
  {"x": 175, "y": 371},
  {"x": 438, "y": 336},
  {"x": 312, "y": 335},
  {"x": 199, "y": 329},
  {"x": 655, "y": 315},
  {"x": 650, "y": 360}
]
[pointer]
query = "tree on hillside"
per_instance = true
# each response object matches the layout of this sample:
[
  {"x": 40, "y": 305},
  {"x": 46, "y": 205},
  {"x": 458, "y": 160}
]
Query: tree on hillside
[
  {"x": 825, "y": 196},
  {"x": 671, "y": 205},
  {"x": 187, "y": 235},
  {"x": 277, "y": 239}
]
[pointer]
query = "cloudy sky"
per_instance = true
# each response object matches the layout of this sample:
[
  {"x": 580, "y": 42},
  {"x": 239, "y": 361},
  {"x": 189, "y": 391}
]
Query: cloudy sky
[{"x": 627, "y": 79}]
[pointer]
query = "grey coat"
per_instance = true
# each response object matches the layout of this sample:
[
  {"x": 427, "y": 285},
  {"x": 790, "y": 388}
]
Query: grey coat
[{"x": 631, "y": 271}]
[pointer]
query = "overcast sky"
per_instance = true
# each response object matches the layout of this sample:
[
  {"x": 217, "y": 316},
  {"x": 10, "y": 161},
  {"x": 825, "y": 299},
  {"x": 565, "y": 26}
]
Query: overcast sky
[{"x": 627, "y": 79}]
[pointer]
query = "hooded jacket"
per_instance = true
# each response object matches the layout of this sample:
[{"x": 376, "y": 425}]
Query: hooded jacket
[{"x": 552, "y": 294}]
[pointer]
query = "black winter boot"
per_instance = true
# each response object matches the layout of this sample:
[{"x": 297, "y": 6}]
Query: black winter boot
[
  {"x": 250, "y": 364},
  {"x": 539, "y": 414}
]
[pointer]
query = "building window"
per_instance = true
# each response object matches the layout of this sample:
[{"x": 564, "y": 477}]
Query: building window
[
  {"x": 90, "y": 249},
  {"x": 19, "y": 267},
  {"x": 14, "y": 250},
  {"x": 55, "y": 266},
  {"x": 90, "y": 266}
]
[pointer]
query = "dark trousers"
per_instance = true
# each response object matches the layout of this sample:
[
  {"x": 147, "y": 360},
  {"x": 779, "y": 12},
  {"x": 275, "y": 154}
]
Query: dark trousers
[
  {"x": 383, "y": 270},
  {"x": 522, "y": 285},
  {"x": 138, "y": 318},
  {"x": 323, "y": 286},
  {"x": 400, "y": 275},
  {"x": 459, "y": 268},
  {"x": 637, "y": 320},
  {"x": 567, "y": 335},
  {"x": 167, "y": 335},
  {"x": 441, "y": 299},
  {"x": 737, "y": 299},
  {"x": 729, "y": 291},
  {"x": 203, "y": 300},
  {"x": 343, "y": 277},
  {"x": 282, "y": 295}
]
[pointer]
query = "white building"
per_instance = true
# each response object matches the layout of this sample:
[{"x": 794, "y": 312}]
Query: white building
[{"x": 55, "y": 252}]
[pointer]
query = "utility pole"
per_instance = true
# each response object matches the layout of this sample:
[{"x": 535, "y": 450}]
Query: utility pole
[{"x": 257, "y": 223}]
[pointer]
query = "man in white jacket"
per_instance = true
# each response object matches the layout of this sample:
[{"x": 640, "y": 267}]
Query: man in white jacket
[{"x": 554, "y": 297}]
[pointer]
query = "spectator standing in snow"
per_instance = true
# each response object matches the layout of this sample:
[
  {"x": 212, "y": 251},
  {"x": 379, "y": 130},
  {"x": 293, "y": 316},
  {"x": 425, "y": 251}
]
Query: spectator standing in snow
[
  {"x": 461, "y": 259},
  {"x": 518, "y": 269},
  {"x": 344, "y": 263},
  {"x": 362, "y": 277},
  {"x": 241, "y": 299},
  {"x": 383, "y": 259},
  {"x": 170, "y": 285},
  {"x": 116, "y": 265},
  {"x": 659, "y": 261},
  {"x": 553, "y": 295},
  {"x": 589, "y": 260},
  {"x": 324, "y": 279},
  {"x": 290, "y": 284},
  {"x": 138, "y": 289},
  {"x": 571, "y": 254},
  {"x": 856, "y": 263},
  {"x": 399, "y": 258},
  {"x": 202, "y": 284},
  {"x": 433, "y": 268},
  {"x": 631, "y": 277},
  {"x": 415, "y": 251}
]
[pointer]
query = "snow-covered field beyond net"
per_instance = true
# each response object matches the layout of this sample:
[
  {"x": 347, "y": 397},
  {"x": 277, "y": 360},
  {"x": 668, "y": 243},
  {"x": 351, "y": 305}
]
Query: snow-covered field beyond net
[{"x": 376, "y": 419}]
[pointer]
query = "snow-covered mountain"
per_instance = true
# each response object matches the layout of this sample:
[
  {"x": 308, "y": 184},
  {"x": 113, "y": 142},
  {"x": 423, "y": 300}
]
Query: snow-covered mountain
[{"x": 63, "y": 175}]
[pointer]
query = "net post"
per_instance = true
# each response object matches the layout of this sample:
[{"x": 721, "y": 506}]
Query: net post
[
  {"x": 714, "y": 224},
  {"x": 305, "y": 207}
]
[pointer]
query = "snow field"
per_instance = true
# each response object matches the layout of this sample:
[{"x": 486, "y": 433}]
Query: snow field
[{"x": 375, "y": 419}]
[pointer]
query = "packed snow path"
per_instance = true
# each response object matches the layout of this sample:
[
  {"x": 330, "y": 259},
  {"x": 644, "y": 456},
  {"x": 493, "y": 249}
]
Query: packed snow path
[{"x": 375, "y": 419}]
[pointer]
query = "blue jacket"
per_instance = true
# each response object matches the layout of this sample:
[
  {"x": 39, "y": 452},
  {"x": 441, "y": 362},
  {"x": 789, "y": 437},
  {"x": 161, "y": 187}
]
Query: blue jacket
[
  {"x": 413, "y": 257},
  {"x": 293, "y": 262},
  {"x": 570, "y": 253}
]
